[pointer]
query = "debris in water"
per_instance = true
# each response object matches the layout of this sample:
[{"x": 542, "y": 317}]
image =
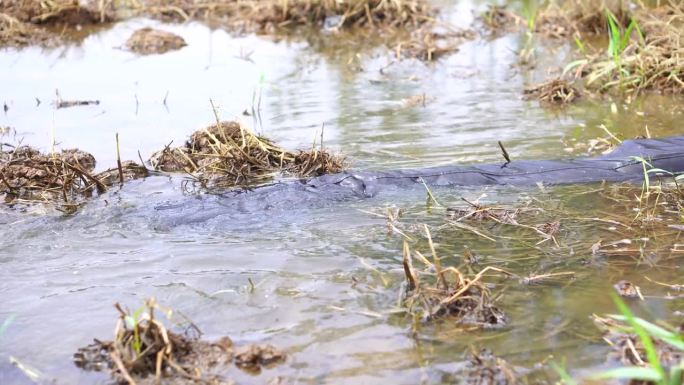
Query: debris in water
[
  {"x": 427, "y": 44},
  {"x": 64, "y": 178},
  {"x": 466, "y": 300},
  {"x": 485, "y": 368},
  {"x": 144, "y": 351},
  {"x": 252, "y": 357},
  {"x": 553, "y": 92},
  {"x": 75, "y": 103},
  {"x": 231, "y": 155},
  {"x": 477, "y": 212},
  {"x": 627, "y": 289},
  {"x": 148, "y": 41},
  {"x": 628, "y": 349}
]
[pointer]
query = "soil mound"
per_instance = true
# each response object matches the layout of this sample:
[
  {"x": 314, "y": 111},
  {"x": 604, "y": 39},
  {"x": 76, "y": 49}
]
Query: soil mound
[{"x": 147, "y": 41}]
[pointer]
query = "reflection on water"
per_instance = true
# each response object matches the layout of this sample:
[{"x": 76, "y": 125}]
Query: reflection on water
[{"x": 315, "y": 293}]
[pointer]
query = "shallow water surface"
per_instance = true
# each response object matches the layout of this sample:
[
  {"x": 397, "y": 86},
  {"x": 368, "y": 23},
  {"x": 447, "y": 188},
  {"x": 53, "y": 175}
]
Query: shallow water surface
[{"x": 327, "y": 275}]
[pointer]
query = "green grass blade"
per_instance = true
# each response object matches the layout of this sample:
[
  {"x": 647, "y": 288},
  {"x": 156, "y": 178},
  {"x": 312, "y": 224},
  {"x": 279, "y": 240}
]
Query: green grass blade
[
  {"x": 563, "y": 374},
  {"x": 630, "y": 373},
  {"x": 656, "y": 331},
  {"x": 5, "y": 324},
  {"x": 651, "y": 353},
  {"x": 676, "y": 374}
]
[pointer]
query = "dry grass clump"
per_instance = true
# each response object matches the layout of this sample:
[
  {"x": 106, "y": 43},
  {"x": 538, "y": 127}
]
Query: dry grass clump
[
  {"x": 558, "y": 19},
  {"x": 147, "y": 41},
  {"x": 466, "y": 300},
  {"x": 654, "y": 63},
  {"x": 144, "y": 351},
  {"x": 18, "y": 19},
  {"x": 265, "y": 14},
  {"x": 578, "y": 17},
  {"x": 553, "y": 92},
  {"x": 62, "y": 178},
  {"x": 69, "y": 12},
  {"x": 427, "y": 45},
  {"x": 232, "y": 154},
  {"x": 15, "y": 33}
]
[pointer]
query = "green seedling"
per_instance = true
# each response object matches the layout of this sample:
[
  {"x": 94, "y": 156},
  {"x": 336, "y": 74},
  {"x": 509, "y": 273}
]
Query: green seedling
[{"x": 646, "y": 332}]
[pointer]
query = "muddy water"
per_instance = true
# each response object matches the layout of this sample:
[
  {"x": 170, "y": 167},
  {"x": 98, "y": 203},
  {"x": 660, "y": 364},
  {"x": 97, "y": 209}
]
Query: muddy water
[{"x": 326, "y": 275}]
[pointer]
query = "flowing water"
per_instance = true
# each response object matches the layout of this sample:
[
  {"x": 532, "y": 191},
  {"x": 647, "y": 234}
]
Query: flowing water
[{"x": 326, "y": 274}]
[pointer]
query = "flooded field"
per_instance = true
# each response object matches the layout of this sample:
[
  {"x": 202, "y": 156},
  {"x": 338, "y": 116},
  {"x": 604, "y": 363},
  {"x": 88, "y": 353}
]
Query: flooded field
[{"x": 323, "y": 278}]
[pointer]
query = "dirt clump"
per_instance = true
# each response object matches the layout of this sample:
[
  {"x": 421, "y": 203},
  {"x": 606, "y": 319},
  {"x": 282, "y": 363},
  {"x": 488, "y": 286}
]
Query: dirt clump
[
  {"x": 252, "y": 357},
  {"x": 65, "y": 178},
  {"x": 498, "y": 19},
  {"x": 147, "y": 41},
  {"x": 553, "y": 92},
  {"x": 234, "y": 155},
  {"x": 486, "y": 369},
  {"x": 466, "y": 300},
  {"x": 144, "y": 351},
  {"x": 627, "y": 289}
]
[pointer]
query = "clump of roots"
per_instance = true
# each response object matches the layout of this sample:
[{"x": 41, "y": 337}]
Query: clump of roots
[
  {"x": 64, "y": 178},
  {"x": 144, "y": 351},
  {"x": 236, "y": 156},
  {"x": 467, "y": 300},
  {"x": 553, "y": 92}
]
